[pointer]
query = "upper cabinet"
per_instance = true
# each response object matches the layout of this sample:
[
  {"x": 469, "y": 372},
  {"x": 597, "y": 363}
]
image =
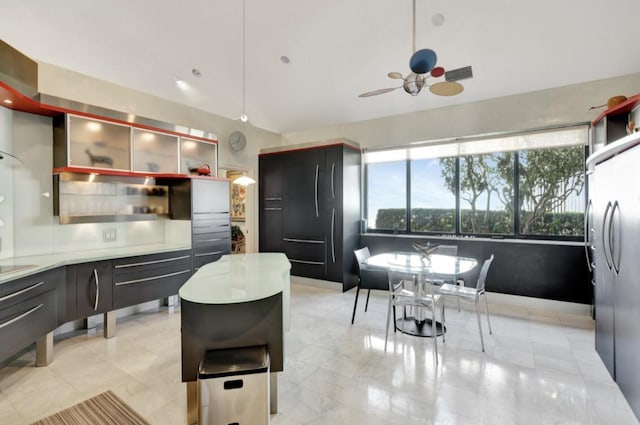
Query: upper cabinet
[
  {"x": 97, "y": 144},
  {"x": 154, "y": 152},
  {"x": 196, "y": 155},
  {"x": 82, "y": 142},
  {"x": 615, "y": 123}
]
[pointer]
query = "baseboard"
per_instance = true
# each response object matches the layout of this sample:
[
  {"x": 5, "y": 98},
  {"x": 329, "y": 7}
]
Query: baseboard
[
  {"x": 562, "y": 307},
  {"x": 318, "y": 283}
]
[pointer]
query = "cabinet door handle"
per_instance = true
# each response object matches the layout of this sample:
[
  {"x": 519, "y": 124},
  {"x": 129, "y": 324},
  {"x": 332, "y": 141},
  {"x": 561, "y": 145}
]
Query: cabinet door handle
[
  {"x": 22, "y": 291},
  {"x": 333, "y": 234},
  {"x": 146, "y": 263},
  {"x": 333, "y": 173},
  {"x": 612, "y": 242},
  {"x": 302, "y": 240},
  {"x": 25, "y": 314},
  {"x": 314, "y": 263},
  {"x": 316, "y": 195},
  {"x": 146, "y": 279},
  {"x": 587, "y": 214},
  {"x": 95, "y": 275},
  {"x": 605, "y": 245}
]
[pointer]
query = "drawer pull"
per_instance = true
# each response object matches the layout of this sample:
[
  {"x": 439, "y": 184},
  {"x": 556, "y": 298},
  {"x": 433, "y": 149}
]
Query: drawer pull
[
  {"x": 146, "y": 279},
  {"x": 273, "y": 199},
  {"x": 212, "y": 212},
  {"x": 95, "y": 275},
  {"x": 146, "y": 263},
  {"x": 23, "y": 315},
  {"x": 206, "y": 254},
  {"x": 315, "y": 263},
  {"x": 212, "y": 240},
  {"x": 301, "y": 240},
  {"x": 272, "y": 209},
  {"x": 22, "y": 291}
]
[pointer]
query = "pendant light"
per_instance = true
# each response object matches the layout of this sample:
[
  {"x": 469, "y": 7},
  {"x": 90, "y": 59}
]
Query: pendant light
[{"x": 244, "y": 180}]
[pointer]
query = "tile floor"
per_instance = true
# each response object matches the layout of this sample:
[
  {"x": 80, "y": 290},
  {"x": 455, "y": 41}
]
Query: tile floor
[{"x": 539, "y": 368}]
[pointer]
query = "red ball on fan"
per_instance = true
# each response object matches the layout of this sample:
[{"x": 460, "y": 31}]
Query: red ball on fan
[{"x": 438, "y": 71}]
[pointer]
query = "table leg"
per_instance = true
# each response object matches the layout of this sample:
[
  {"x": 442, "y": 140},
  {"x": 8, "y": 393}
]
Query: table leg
[
  {"x": 192, "y": 403},
  {"x": 273, "y": 392}
]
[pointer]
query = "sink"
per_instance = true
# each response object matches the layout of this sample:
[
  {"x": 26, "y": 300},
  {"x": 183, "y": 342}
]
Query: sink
[{"x": 14, "y": 268}]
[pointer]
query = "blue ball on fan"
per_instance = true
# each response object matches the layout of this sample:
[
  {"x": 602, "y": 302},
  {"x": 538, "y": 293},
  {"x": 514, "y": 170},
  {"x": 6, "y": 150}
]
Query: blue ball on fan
[{"x": 423, "y": 61}]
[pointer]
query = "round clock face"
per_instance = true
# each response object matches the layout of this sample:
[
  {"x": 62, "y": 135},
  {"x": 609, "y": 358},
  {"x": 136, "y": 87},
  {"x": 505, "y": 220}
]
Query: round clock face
[{"x": 237, "y": 141}]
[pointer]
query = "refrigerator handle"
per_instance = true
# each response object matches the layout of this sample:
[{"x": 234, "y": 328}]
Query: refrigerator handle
[
  {"x": 587, "y": 214},
  {"x": 333, "y": 234},
  {"x": 316, "y": 188},
  {"x": 615, "y": 250},
  {"x": 605, "y": 231}
]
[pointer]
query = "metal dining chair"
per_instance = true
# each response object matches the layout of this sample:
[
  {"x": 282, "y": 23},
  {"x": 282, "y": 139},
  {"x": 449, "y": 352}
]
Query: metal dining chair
[
  {"x": 470, "y": 294},
  {"x": 404, "y": 291},
  {"x": 367, "y": 279}
]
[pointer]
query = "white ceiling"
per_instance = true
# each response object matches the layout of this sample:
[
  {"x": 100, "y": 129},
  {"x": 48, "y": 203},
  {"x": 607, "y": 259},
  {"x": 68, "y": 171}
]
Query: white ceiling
[{"x": 338, "y": 49}]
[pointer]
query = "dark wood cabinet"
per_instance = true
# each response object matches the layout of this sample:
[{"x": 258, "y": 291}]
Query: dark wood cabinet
[
  {"x": 28, "y": 308},
  {"x": 310, "y": 210},
  {"x": 93, "y": 288},
  {"x": 149, "y": 277},
  {"x": 206, "y": 203}
]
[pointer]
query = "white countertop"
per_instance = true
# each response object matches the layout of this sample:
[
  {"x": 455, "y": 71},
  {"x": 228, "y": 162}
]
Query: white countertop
[
  {"x": 49, "y": 261},
  {"x": 239, "y": 278}
]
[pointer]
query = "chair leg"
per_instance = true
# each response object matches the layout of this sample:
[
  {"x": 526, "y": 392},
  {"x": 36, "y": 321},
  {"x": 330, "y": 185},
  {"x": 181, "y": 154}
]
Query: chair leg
[
  {"x": 479, "y": 324},
  {"x": 366, "y": 305},
  {"x": 386, "y": 334},
  {"x": 434, "y": 330},
  {"x": 395, "y": 328},
  {"x": 442, "y": 318},
  {"x": 459, "y": 282},
  {"x": 355, "y": 304},
  {"x": 486, "y": 305}
]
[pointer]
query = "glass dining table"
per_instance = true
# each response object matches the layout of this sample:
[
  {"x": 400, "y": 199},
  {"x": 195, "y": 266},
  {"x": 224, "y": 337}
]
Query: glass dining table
[{"x": 437, "y": 268}]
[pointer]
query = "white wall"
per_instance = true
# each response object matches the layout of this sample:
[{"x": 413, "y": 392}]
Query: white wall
[
  {"x": 563, "y": 105},
  {"x": 6, "y": 185}
]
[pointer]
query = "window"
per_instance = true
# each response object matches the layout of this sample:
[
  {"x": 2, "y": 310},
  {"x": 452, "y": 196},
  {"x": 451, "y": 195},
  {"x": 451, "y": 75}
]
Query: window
[
  {"x": 551, "y": 188},
  {"x": 523, "y": 185},
  {"x": 486, "y": 194},
  {"x": 433, "y": 195},
  {"x": 387, "y": 195}
]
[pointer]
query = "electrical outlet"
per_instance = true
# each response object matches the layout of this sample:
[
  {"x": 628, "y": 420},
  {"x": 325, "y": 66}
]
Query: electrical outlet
[{"x": 109, "y": 235}]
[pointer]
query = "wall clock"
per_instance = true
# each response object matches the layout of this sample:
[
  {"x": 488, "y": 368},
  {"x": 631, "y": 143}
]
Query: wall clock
[{"x": 237, "y": 141}]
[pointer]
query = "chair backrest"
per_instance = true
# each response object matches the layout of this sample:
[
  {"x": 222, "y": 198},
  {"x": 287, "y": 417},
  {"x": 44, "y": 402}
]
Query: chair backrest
[
  {"x": 447, "y": 250},
  {"x": 362, "y": 254},
  {"x": 482, "y": 277}
]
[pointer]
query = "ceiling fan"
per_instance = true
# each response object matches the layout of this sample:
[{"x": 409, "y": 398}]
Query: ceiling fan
[{"x": 423, "y": 67}]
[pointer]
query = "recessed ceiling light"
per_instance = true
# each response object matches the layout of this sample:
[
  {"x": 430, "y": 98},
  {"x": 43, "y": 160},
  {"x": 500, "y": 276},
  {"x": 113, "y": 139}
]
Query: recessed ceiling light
[
  {"x": 284, "y": 59},
  {"x": 196, "y": 72},
  {"x": 8, "y": 101},
  {"x": 93, "y": 126},
  {"x": 437, "y": 19},
  {"x": 181, "y": 83}
]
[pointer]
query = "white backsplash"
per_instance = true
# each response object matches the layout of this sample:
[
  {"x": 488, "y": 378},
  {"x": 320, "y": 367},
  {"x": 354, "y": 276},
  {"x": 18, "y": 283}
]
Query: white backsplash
[{"x": 27, "y": 211}]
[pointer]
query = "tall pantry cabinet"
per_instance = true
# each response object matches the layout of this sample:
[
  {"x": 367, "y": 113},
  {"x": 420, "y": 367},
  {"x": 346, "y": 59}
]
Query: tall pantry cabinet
[
  {"x": 615, "y": 194},
  {"x": 310, "y": 209}
]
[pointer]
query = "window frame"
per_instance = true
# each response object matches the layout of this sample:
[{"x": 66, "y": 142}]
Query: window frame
[{"x": 457, "y": 233}]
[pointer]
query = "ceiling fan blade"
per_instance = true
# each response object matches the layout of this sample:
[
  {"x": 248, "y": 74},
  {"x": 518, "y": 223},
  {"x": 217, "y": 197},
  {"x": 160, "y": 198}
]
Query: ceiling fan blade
[
  {"x": 395, "y": 75},
  {"x": 459, "y": 74},
  {"x": 377, "y": 92}
]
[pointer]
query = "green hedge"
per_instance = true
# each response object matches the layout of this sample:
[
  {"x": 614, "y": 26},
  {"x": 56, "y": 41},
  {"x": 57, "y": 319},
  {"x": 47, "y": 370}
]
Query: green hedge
[{"x": 495, "y": 222}]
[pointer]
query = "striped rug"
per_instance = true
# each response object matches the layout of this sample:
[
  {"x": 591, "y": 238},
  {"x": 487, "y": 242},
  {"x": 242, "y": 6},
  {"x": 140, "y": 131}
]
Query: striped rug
[{"x": 103, "y": 409}]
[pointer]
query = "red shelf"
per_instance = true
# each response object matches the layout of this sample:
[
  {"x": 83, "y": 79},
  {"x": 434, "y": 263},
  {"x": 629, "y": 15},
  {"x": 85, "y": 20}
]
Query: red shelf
[
  {"x": 121, "y": 173},
  {"x": 622, "y": 108}
]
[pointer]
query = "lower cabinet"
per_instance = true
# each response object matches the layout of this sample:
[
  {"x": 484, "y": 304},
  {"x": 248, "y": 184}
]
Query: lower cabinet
[
  {"x": 149, "y": 277},
  {"x": 28, "y": 310},
  {"x": 93, "y": 288}
]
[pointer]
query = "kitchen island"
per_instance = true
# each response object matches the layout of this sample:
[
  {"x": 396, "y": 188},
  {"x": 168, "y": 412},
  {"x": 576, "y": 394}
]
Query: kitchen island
[{"x": 237, "y": 301}]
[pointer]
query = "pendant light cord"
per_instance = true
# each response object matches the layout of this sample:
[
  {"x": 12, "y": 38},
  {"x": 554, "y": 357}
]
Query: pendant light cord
[{"x": 244, "y": 91}]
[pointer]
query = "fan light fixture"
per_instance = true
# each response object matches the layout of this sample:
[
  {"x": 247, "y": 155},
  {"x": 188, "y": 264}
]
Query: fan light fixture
[
  {"x": 244, "y": 180},
  {"x": 423, "y": 67}
]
